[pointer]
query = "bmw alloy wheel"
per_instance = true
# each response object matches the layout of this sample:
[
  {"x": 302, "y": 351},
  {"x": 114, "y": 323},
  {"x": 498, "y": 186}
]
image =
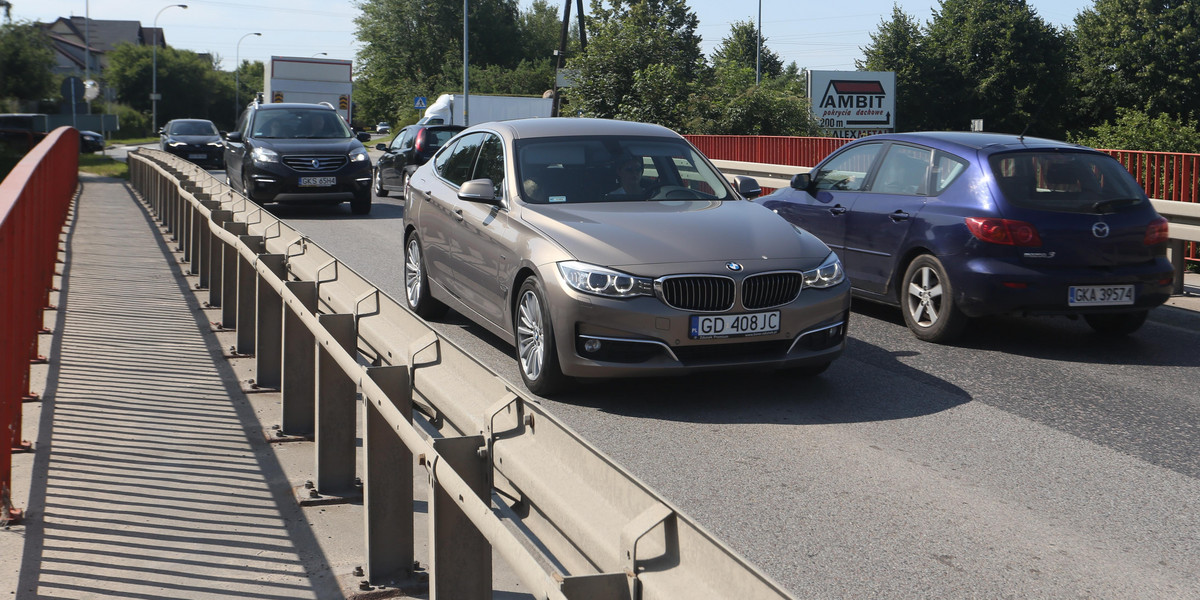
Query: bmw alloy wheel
[
  {"x": 531, "y": 344},
  {"x": 412, "y": 273}
]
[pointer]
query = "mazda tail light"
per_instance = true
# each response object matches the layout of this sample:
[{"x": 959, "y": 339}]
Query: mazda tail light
[
  {"x": 1156, "y": 232},
  {"x": 1006, "y": 232}
]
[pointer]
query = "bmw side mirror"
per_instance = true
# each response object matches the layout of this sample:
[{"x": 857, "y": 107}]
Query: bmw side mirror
[
  {"x": 381, "y": 147},
  {"x": 802, "y": 182},
  {"x": 747, "y": 186},
  {"x": 363, "y": 136},
  {"x": 479, "y": 190}
]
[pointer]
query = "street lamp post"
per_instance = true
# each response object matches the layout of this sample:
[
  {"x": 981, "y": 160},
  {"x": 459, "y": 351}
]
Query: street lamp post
[
  {"x": 319, "y": 54},
  {"x": 154, "y": 71},
  {"x": 237, "y": 80}
]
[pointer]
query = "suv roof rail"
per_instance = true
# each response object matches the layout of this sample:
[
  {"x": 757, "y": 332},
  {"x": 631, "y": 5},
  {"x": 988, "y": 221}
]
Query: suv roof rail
[{"x": 327, "y": 104}]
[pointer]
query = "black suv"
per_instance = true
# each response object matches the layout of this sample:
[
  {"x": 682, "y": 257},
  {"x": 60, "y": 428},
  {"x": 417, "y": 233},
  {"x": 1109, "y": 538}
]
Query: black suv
[
  {"x": 283, "y": 152},
  {"x": 411, "y": 148},
  {"x": 196, "y": 140}
]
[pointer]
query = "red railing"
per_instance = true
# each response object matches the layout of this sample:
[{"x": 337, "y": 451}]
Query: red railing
[{"x": 34, "y": 200}]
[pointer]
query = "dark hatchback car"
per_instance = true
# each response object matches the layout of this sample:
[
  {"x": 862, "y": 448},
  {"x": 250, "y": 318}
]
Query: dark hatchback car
[
  {"x": 410, "y": 149},
  {"x": 196, "y": 140},
  {"x": 298, "y": 152},
  {"x": 955, "y": 225}
]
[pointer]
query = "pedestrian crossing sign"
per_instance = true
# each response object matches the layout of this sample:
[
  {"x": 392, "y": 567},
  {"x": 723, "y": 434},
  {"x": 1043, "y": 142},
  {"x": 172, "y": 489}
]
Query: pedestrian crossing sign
[{"x": 419, "y": 103}]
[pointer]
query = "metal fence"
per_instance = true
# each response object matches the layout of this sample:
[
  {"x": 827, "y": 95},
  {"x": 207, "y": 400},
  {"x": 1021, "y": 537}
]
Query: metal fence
[
  {"x": 504, "y": 474},
  {"x": 34, "y": 201}
]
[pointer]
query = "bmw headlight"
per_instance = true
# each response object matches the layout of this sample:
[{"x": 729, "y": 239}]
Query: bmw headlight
[
  {"x": 359, "y": 156},
  {"x": 829, "y": 274},
  {"x": 263, "y": 155},
  {"x": 601, "y": 281}
]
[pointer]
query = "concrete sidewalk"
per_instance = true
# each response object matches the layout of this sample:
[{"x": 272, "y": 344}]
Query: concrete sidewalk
[{"x": 151, "y": 477}]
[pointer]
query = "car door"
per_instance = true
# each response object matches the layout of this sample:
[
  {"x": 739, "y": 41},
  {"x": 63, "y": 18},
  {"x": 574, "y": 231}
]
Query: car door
[
  {"x": 441, "y": 215},
  {"x": 878, "y": 224},
  {"x": 485, "y": 231},
  {"x": 836, "y": 186},
  {"x": 235, "y": 151},
  {"x": 386, "y": 165},
  {"x": 399, "y": 152}
]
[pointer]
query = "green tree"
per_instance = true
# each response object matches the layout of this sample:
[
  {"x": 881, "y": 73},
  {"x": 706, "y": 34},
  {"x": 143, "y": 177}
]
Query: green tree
[
  {"x": 26, "y": 60},
  {"x": 643, "y": 61},
  {"x": 189, "y": 84},
  {"x": 1005, "y": 64},
  {"x": 741, "y": 50},
  {"x": 900, "y": 46},
  {"x": 1139, "y": 53},
  {"x": 1138, "y": 130}
]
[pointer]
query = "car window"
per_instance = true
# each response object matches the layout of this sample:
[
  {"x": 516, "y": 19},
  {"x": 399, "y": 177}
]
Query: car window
[
  {"x": 904, "y": 170},
  {"x": 847, "y": 171},
  {"x": 590, "y": 169},
  {"x": 459, "y": 162},
  {"x": 299, "y": 124},
  {"x": 490, "y": 164},
  {"x": 193, "y": 128},
  {"x": 436, "y": 138},
  {"x": 1080, "y": 182},
  {"x": 946, "y": 168},
  {"x": 403, "y": 140}
]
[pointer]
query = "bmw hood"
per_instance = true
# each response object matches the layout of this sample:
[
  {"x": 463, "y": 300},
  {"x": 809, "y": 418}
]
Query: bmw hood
[{"x": 633, "y": 235}]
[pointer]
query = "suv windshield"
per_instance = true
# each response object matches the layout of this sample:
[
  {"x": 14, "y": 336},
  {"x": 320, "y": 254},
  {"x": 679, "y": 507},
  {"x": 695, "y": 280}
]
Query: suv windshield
[
  {"x": 607, "y": 168},
  {"x": 299, "y": 124},
  {"x": 1078, "y": 182}
]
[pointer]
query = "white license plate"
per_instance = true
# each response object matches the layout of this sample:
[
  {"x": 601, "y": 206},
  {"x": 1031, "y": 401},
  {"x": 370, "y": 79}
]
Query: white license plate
[
  {"x": 1100, "y": 295},
  {"x": 317, "y": 181},
  {"x": 196, "y": 156},
  {"x": 705, "y": 327}
]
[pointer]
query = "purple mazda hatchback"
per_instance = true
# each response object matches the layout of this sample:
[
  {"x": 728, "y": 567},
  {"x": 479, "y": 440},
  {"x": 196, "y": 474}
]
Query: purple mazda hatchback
[{"x": 955, "y": 225}]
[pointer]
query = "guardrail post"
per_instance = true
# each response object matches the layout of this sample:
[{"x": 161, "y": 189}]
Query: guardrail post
[
  {"x": 1175, "y": 253},
  {"x": 461, "y": 558},
  {"x": 229, "y": 276},
  {"x": 335, "y": 411},
  {"x": 203, "y": 266},
  {"x": 216, "y": 265},
  {"x": 388, "y": 483},
  {"x": 247, "y": 289},
  {"x": 268, "y": 344},
  {"x": 298, "y": 391}
]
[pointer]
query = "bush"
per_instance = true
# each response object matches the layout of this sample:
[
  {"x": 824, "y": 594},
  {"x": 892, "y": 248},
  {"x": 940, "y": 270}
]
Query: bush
[
  {"x": 1136, "y": 130},
  {"x": 130, "y": 122}
]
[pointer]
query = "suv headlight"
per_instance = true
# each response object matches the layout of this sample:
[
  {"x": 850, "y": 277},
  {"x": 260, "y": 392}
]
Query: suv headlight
[
  {"x": 263, "y": 155},
  {"x": 359, "y": 156},
  {"x": 171, "y": 143},
  {"x": 829, "y": 274},
  {"x": 601, "y": 281}
]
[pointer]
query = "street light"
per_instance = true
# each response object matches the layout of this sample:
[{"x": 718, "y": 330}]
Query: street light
[
  {"x": 154, "y": 72},
  {"x": 237, "y": 80},
  {"x": 319, "y": 54}
]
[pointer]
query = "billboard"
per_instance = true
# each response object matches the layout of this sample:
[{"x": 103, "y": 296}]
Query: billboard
[{"x": 851, "y": 104}]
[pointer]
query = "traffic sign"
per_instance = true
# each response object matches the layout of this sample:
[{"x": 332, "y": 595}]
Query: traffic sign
[{"x": 419, "y": 103}]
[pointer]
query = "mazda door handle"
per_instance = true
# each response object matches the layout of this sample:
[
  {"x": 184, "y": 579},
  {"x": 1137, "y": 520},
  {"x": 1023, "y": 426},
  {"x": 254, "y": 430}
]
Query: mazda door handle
[
  {"x": 898, "y": 216},
  {"x": 837, "y": 210}
]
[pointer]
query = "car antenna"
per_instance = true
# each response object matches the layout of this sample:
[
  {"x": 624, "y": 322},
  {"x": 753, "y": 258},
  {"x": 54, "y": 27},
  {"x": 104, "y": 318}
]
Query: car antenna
[{"x": 1033, "y": 118}]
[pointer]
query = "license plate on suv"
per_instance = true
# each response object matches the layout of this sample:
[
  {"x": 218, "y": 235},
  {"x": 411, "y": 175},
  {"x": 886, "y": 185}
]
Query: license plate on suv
[
  {"x": 317, "y": 181},
  {"x": 1100, "y": 295},
  {"x": 704, "y": 327}
]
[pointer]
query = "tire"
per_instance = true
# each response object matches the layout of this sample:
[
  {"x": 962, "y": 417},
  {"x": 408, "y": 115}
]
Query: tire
[
  {"x": 245, "y": 188},
  {"x": 416, "y": 282},
  {"x": 361, "y": 204},
  {"x": 927, "y": 301},
  {"x": 1117, "y": 324},
  {"x": 379, "y": 191},
  {"x": 537, "y": 353}
]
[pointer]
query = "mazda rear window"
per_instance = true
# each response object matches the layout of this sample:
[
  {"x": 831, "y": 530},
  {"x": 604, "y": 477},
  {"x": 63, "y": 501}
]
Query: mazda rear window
[{"x": 1078, "y": 182}]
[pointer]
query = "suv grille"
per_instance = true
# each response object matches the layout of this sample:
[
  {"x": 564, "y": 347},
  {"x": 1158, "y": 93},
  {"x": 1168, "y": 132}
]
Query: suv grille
[
  {"x": 323, "y": 163},
  {"x": 697, "y": 292},
  {"x": 770, "y": 289}
]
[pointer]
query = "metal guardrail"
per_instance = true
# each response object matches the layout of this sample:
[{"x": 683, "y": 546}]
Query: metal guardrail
[
  {"x": 1183, "y": 217},
  {"x": 505, "y": 475},
  {"x": 35, "y": 199}
]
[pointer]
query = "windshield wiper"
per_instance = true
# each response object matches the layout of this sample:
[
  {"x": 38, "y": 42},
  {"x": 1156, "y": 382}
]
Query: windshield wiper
[{"x": 1105, "y": 206}]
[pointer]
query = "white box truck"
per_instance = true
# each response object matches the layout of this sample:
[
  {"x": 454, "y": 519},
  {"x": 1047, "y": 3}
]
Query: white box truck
[
  {"x": 448, "y": 109},
  {"x": 312, "y": 80}
]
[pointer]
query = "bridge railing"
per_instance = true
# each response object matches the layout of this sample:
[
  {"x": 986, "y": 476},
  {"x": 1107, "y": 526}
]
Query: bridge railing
[
  {"x": 34, "y": 202},
  {"x": 505, "y": 475}
]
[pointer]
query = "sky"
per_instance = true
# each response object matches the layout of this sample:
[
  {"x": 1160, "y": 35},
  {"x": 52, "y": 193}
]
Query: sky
[{"x": 809, "y": 33}]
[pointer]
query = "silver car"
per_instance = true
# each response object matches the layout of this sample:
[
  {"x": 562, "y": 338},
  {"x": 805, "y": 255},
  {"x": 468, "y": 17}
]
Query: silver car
[{"x": 613, "y": 249}]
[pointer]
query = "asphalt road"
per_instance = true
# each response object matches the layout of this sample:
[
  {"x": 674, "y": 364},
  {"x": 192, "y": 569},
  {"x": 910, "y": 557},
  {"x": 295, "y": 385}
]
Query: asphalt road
[{"x": 1033, "y": 459}]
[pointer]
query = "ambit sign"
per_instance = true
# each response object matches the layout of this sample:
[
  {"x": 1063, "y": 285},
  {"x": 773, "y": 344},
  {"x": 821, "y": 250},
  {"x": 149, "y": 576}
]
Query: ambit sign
[{"x": 853, "y": 103}]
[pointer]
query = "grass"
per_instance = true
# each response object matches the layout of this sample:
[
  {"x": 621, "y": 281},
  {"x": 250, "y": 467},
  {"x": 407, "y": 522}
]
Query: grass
[{"x": 106, "y": 166}]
